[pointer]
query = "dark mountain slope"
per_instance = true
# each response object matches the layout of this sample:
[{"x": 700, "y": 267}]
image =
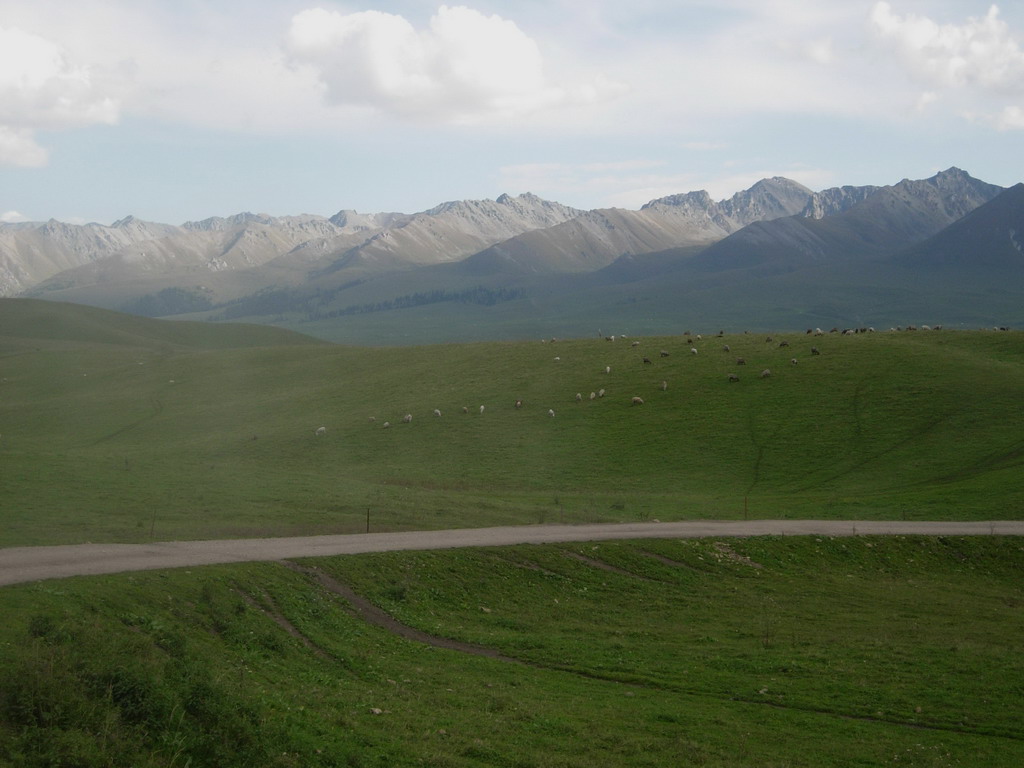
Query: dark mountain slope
[
  {"x": 887, "y": 220},
  {"x": 988, "y": 240}
]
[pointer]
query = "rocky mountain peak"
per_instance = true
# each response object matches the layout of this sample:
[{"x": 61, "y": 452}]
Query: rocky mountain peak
[{"x": 698, "y": 200}]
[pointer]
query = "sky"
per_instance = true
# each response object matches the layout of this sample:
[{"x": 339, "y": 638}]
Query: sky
[{"x": 178, "y": 110}]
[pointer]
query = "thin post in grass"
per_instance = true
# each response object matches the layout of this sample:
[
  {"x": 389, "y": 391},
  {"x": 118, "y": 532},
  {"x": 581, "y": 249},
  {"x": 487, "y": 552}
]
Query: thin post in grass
[{"x": 367, "y": 519}]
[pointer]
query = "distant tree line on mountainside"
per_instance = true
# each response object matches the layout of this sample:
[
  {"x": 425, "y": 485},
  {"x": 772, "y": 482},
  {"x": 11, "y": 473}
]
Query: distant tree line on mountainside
[
  {"x": 280, "y": 301},
  {"x": 479, "y": 295},
  {"x": 170, "y": 301}
]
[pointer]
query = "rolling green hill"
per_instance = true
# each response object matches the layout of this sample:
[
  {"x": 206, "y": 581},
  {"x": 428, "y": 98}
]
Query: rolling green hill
[
  {"x": 793, "y": 652},
  {"x": 199, "y": 431}
]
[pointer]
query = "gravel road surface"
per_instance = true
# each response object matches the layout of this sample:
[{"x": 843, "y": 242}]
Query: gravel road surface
[{"x": 21, "y": 564}]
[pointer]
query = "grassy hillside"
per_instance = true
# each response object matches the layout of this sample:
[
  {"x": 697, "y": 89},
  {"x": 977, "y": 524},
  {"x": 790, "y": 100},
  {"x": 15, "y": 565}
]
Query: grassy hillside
[
  {"x": 795, "y": 652},
  {"x": 23, "y": 321},
  {"x": 118, "y": 429}
]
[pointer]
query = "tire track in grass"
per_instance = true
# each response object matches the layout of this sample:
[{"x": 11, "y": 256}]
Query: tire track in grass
[
  {"x": 157, "y": 408},
  {"x": 268, "y": 608},
  {"x": 364, "y": 609},
  {"x": 361, "y": 607}
]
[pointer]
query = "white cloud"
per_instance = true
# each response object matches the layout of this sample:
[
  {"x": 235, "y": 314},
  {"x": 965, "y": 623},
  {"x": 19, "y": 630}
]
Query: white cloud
[
  {"x": 18, "y": 147},
  {"x": 1011, "y": 118},
  {"x": 40, "y": 89},
  {"x": 11, "y": 217},
  {"x": 979, "y": 61},
  {"x": 981, "y": 52},
  {"x": 465, "y": 67}
]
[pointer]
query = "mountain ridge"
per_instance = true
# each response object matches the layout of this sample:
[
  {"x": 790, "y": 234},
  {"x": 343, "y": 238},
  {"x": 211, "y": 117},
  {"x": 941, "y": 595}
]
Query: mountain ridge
[{"x": 511, "y": 251}]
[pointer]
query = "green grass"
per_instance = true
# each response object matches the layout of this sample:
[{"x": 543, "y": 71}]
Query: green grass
[
  {"x": 121, "y": 429},
  {"x": 768, "y": 651}
]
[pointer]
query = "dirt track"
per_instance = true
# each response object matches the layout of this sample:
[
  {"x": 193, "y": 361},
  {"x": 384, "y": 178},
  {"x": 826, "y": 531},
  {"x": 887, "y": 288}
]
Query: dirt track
[{"x": 21, "y": 564}]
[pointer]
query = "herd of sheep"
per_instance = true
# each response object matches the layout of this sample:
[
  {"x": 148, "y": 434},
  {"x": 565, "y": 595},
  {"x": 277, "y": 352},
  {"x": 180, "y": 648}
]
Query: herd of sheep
[{"x": 691, "y": 342}]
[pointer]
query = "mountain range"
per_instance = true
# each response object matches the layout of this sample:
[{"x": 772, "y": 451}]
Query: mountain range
[{"x": 944, "y": 250}]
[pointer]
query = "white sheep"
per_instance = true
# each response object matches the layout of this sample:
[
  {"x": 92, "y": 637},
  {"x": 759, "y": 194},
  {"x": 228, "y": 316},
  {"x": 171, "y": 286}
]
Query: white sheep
[
  {"x": 321, "y": 430},
  {"x": 579, "y": 397},
  {"x": 551, "y": 412},
  {"x": 481, "y": 409},
  {"x": 386, "y": 425},
  {"x": 664, "y": 386},
  {"x": 766, "y": 373},
  {"x": 638, "y": 401},
  {"x": 600, "y": 393},
  {"x": 407, "y": 419},
  {"x": 607, "y": 369},
  {"x": 437, "y": 412}
]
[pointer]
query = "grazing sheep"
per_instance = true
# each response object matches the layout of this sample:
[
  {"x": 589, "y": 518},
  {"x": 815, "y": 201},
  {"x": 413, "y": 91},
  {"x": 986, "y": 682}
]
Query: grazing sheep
[
  {"x": 593, "y": 395},
  {"x": 783, "y": 344},
  {"x": 769, "y": 340},
  {"x": 815, "y": 351},
  {"x": 634, "y": 344},
  {"x": 733, "y": 377},
  {"x": 766, "y": 373},
  {"x": 600, "y": 393},
  {"x": 321, "y": 431},
  {"x": 664, "y": 386},
  {"x": 638, "y": 401},
  {"x": 465, "y": 409},
  {"x": 373, "y": 419},
  {"x": 579, "y": 397},
  {"x": 558, "y": 358},
  {"x": 437, "y": 412},
  {"x": 647, "y": 361},
  {"x": 699, "y": 337},
  {"x": 551, "y": 412},
  {"x": 407, "y": 419},
  {"x": 386, "y": 425},
  {"x": 792, "y": 361},
  {"x": 740, "y": 361},
  {"x": 519, "y": 404},
  {"x": 663, "y": 353},
  {"x": 481, "y": 409},
  {"x": 607, "y": 369},
  {"x": 693, "y": 350},
  {"x": 726, "y": 348}
]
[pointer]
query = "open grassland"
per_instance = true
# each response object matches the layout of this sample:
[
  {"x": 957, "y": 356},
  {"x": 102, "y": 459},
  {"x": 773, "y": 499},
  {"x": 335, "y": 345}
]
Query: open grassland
[
  {"x": 115, "y": 428},
  {"x": 816, "y": 652}
]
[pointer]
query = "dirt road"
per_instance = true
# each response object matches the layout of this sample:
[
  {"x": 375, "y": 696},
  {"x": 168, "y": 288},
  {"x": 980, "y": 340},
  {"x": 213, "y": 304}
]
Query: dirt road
[{"x": 21, "y": 564}]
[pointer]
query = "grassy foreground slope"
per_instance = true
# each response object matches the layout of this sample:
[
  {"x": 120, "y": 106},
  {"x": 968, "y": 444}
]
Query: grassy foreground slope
[
  {"x": 797, "y": 652},
  {"x": 115, "y": 428}
]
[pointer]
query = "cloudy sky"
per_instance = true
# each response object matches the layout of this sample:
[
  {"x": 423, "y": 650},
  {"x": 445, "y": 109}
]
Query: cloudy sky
[{"x": 176, "y": 110}]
